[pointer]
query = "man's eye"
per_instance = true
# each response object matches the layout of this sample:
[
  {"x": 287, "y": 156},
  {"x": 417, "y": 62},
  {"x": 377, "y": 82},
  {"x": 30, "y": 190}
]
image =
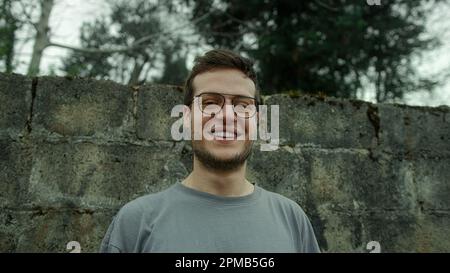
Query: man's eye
[{"x": 242, "y": 103}]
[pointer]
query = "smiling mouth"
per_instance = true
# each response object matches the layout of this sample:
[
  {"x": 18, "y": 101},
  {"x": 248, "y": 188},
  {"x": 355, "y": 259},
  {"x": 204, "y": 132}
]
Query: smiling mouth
[{"x": 224, "y": 135}]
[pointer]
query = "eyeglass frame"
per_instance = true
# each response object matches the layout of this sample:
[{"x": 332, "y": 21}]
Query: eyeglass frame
[{"x": 224, "y": 102}]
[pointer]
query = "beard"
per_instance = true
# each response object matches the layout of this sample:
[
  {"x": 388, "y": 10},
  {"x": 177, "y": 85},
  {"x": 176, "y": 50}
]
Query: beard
[{"x": 211, "y": 161}]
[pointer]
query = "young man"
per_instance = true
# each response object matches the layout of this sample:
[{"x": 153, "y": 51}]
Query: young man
[{"x": 215, "y": 208}]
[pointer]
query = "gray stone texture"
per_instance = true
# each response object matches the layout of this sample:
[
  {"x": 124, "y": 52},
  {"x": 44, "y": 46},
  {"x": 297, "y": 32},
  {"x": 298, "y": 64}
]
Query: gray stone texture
[
  {"x": 73, "y": 151},
  {"x": 15, "y": 101}
]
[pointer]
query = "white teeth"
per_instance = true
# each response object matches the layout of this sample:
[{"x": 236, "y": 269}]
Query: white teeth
[{"x": 224, "y": 135}]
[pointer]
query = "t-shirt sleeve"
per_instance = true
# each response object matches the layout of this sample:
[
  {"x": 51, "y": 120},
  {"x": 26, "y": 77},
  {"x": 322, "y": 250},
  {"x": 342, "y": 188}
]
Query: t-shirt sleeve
[
  {"x": 106, "y": 246},
  {"x": 307, "y": 239},
  {"x": 123, "y": 232}
]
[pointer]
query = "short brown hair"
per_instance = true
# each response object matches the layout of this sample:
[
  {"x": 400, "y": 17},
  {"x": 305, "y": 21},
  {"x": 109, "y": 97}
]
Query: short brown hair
[{"x": 219, "y": 58}]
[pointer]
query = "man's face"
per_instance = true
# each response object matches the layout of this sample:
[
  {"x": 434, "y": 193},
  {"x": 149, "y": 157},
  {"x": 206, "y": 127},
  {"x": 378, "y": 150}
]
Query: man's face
[{"x": 217, "y": 153}]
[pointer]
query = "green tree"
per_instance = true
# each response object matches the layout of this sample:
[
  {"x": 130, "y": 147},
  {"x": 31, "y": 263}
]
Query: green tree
[
  {"x": 9, "y": 24},
  {"x": 88, "y": 64},
  {"x": 19, "y": 14},
  {"x": 324, "y": 46},
  {"x": 137, "y": 27},
  {"x": 174, "y": 70}
]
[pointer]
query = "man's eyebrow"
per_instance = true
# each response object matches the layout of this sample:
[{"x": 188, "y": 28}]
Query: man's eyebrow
[{"x": 235, "y": 95}]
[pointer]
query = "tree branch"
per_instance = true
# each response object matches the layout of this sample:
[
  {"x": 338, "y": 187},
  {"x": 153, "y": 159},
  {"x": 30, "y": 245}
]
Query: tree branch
[
  {"x": 93, "y": 50},
  {"x": 28, "y": 18},
  {"x": 136, "y": 45},
  {"x": 325, "y": 6}
]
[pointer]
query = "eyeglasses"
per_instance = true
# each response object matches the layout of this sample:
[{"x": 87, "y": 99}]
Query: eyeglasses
[{"x": 211, "y": 103}]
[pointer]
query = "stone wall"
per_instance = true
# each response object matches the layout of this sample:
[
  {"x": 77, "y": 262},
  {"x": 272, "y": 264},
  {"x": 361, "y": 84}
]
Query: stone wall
[{"x": 73, "y": 151}]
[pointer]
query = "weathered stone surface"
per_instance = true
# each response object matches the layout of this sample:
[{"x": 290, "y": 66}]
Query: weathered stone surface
[
  {"x": 86, "y": 174},
  {"x": 281, "y": 171},
  {"x": 403, "y": 232},
  {"x": 432, "y": 179},
  {"x": 82, "y": 107},
  {"x": 415, "y": 132},
  {"x": 50, "y": 230},
  {"x": 15, "y": 104},
  {"x": 15, "y": 169},
  {"x": 325, "y": 123},
  {"x": 431, "y": 233},
  {"x": 394, "y": 230},
  {"x": 154, "y": 109},
  {"x": 362, "y": 172},
  {"x": 351, "y": 180}
]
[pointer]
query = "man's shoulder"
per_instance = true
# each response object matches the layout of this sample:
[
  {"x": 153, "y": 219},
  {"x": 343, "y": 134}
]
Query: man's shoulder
[
  {"x": 279, "y": 198},
  {"x": 284, "y": 202},
  {"x": 298, "y": 219},
  {"x": 144, "y": 204}
]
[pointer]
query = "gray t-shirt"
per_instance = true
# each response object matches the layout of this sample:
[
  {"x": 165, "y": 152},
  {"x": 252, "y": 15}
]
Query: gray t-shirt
[{"x": 182, "y": 219}]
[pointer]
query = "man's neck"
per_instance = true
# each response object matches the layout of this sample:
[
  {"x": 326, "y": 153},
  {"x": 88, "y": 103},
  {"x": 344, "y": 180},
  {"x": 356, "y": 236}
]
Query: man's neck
[{"x": 230, "y": 183}]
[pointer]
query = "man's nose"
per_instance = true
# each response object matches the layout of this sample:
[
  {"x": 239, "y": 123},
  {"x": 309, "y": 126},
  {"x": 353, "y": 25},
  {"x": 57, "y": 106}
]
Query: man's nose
[{"x": 226, "y": 113}]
